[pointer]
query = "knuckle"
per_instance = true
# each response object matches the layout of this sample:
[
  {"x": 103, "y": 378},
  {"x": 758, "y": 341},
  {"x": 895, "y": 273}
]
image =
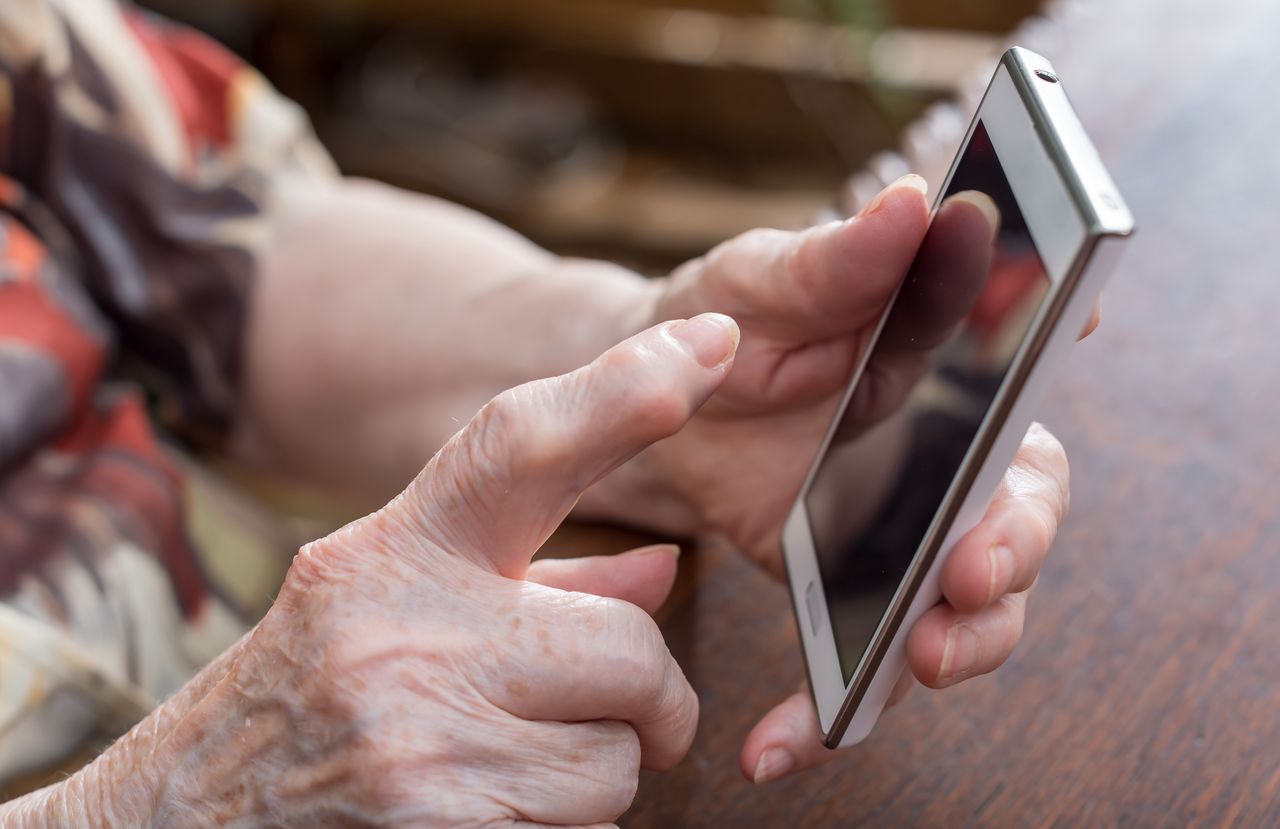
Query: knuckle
[
  {"x": 798, "y": 264},
  {"x": 663, "y": 693},
  {"x": 617, "y": 769},
  {"x": 1009, "y": 628},
  {"x": 678, "y": 710},
  {"x": 1040, "y": 478},
  {"x": 661, "y": 408},
  {"x": 749, "y": 244},
  {"x": 636, "y": 641},
  {"x": 735, "y": 266},
  {"x": 720, "y": 259},
  {"x": 1013, "y": 607},
  {"x": 638, "y": 648},
  {"x": 926, "y": 646},
  {"x": 1043, "y": 453},
  {"x": 736, "y": 262},
  {"x": 515, "y": 432},
  {"x": 488, "y": 434},
  {"x": 1040, "y": 523},
  {"x": 591, "y": 771},
  {"x": 650, "y": 394},
  {"x": 763, "y": 237},
  {"x": 808, "y": 268},
  {"x": 627, "y": 750},
  {"x": 620, "y": 796}
]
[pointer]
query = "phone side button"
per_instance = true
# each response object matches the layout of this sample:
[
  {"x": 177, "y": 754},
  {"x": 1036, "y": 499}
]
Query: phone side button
[{"x": 814, "y": 606}]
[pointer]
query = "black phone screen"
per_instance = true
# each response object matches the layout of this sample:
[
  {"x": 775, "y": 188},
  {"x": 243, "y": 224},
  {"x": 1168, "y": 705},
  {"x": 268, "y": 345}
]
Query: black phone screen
[{"x": 959, "y": 318}]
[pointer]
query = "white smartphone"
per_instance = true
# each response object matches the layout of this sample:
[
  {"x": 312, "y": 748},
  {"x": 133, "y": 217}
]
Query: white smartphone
[{"x": 947, "y": 389}]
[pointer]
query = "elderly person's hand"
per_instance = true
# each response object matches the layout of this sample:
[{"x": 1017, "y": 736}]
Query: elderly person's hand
[
  {"x": 807, "y": 304},
  {"x": 415, "y": 670}
]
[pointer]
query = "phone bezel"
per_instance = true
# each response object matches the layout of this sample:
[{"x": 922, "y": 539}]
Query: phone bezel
[{"x": 1069, "y": 202}]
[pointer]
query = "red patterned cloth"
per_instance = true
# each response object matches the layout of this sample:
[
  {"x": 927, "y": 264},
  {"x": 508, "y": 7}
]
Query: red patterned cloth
[{"x": 141, "y": 166}]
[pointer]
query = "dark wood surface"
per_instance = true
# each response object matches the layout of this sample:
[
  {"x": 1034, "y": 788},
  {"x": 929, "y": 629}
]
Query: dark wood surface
[{"x": 1147, "y": 690}]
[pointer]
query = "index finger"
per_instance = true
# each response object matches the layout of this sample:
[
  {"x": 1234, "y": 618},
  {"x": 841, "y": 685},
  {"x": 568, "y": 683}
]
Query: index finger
[{"x": 498, "y": 489}]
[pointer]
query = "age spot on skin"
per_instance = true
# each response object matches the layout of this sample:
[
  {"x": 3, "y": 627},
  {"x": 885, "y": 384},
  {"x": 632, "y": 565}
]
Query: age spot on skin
[
  {"x": 516, "y": 623},
  {"x": 516, "y": 688}
]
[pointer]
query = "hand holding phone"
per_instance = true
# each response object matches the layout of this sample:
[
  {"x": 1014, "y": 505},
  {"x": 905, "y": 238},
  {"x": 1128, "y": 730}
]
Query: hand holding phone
[
  {"x": 1004, "y": 280},
  {"x": 808, "y": 304}
]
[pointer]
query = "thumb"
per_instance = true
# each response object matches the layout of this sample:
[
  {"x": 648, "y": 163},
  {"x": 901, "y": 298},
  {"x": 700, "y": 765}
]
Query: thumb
[
  {"x": 789, "y": 738},
  {"x": 499, "y": 488},
  {"x": 643, "y": 577}
]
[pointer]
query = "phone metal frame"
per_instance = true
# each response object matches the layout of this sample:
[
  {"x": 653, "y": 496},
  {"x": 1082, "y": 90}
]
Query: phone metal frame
[{"x": 1076, "y": 217}]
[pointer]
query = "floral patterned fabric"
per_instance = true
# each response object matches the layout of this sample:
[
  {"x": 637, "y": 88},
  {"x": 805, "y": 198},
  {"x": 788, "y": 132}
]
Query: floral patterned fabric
[{"x": 141, "y": 167}]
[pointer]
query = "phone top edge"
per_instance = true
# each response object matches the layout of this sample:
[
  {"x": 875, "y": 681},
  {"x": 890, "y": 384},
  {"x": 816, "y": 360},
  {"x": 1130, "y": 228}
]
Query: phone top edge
[{"x": 1092, "y": 189}]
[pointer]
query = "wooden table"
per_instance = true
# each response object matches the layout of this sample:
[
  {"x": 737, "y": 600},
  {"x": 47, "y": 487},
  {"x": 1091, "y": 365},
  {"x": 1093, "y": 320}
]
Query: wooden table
[{"x": 1147, "y": 689}]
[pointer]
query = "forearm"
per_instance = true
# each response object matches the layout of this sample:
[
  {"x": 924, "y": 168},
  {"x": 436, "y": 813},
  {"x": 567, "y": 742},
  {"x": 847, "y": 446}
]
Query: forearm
[
  {"x": 123, "y": 787},
  {"x": 383, "y": 320}
]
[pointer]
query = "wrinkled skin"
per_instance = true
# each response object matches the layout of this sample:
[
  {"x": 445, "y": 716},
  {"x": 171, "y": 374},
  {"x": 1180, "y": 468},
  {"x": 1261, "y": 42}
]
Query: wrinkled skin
[
  {"x": 445, "y": 688},
  {"x": 415, "y": 671}
]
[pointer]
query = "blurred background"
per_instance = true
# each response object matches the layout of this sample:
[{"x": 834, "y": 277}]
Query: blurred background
[{"x": 639, "y": 130}]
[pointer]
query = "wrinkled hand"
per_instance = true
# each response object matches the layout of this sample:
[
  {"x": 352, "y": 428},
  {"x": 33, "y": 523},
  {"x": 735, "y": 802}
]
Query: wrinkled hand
[
  {"x": 807, "y": 304},
  {"x": 416, "y": 671}
]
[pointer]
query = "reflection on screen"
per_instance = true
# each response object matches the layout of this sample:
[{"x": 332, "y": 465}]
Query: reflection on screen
[{"x": 957, "y": 323}]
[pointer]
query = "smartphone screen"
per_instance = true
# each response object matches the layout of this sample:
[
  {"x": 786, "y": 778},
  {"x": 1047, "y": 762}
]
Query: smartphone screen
[{"x": 958, "y": 321}]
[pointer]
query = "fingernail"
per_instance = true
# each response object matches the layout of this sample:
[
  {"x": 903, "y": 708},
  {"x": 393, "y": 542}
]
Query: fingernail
[
  {"x": 984, "y": 203},
  {"x": 1002, "y": 564},
  {"x": 774, "y": 763},
  {"x": 959, "y": 654},
  {"x": 672, "y": 550},
  {"x": 711, "y": 339},
  {"x": 911, "y": 180}
]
